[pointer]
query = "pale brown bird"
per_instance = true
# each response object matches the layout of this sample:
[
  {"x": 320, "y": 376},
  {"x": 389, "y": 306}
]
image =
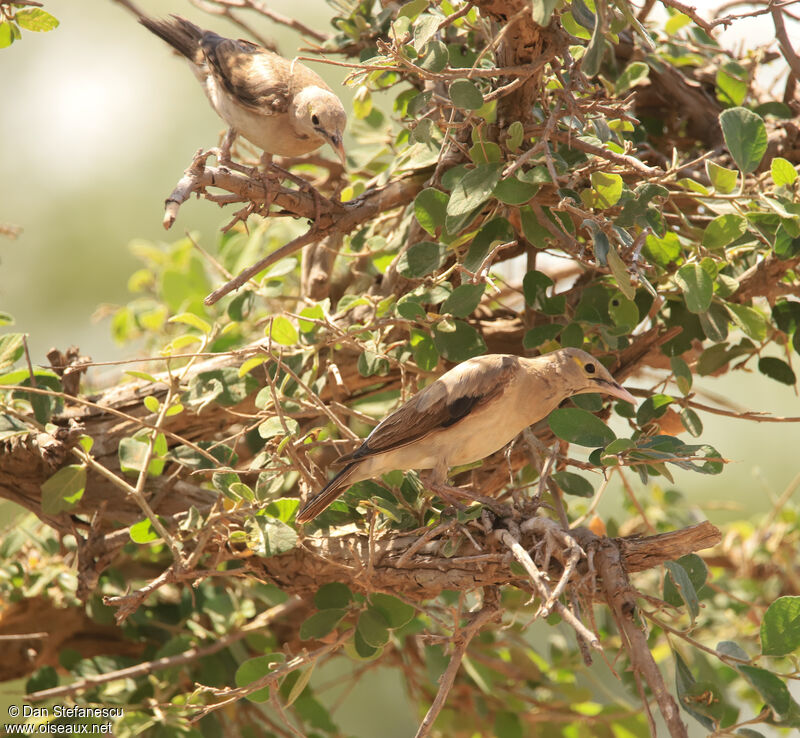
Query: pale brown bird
[
  {"x": 469, "y": 412},
  {"x": 281, "y": 106}
]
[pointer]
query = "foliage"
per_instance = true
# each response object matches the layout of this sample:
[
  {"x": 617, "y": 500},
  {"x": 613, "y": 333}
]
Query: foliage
[{"x": 679, "y": 228}]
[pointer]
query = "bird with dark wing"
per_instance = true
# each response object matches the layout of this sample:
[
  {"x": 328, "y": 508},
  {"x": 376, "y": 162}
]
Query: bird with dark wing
[
  {"x": 281, "y": 106},
  {"x": 468, "y": 413}
]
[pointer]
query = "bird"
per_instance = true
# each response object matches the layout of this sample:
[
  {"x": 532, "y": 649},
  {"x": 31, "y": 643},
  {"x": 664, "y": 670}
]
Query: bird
[
  {"x": 468, "y": 413},
  {"x": 281, "y": 106}
]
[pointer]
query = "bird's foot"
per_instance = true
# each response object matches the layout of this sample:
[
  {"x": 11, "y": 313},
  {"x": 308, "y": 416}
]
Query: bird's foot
[
  {"x": 452, "y": 494},
  {"x": 224, "y": 151}
]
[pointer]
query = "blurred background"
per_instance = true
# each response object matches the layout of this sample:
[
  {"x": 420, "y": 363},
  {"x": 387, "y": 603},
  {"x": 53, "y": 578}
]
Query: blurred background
[{"x": 99, "y": 120}]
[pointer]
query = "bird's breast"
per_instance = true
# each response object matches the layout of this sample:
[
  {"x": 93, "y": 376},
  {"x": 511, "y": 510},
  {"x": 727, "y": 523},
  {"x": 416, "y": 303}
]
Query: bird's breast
[{"x": 272, "y": 132}]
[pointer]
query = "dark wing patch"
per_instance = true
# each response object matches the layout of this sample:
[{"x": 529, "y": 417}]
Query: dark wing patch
[
  {"x": 439, "y": 405},
  {"x": 257, "y": 78},
  {"x": 460, "y": 407}
]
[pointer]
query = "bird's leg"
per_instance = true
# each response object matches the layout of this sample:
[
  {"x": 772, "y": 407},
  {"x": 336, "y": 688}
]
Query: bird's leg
[
  {"x": 268, "y": 178},
  {"x": 224, "y": 155},
  {"x": 450, "y": 494},
  {"x": 303, "y": 184}
]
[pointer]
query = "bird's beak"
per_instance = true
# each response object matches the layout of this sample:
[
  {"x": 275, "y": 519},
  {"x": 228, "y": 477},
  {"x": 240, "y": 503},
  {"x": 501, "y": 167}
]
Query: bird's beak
[
  {"x": 336, "y": 144},
  {"x": 617, "y": 390}
]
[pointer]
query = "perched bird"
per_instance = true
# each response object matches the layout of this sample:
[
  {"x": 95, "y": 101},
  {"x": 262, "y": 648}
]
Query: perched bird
[
  {"x": 279, "y": 105},
  {"x": 471, "y": 411}
]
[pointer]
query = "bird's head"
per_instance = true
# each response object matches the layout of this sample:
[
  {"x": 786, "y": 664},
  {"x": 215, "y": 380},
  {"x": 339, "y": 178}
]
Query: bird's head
[
  {"x": 584, "y": 374},
  {"x": 320, "y": 114}
]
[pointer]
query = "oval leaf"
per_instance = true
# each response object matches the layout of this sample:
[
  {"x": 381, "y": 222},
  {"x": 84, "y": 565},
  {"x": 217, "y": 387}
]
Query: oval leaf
[
  {"x": 474, "y": 189},
  {"x": 697, "y": 287},
  {"x": 745, "y": 136},
  {"x": 465, "y": 94},
  {"x": 780, "y": 628},
  {"x": 578, "y": 426},
  {"x": 64, "y": 489}
]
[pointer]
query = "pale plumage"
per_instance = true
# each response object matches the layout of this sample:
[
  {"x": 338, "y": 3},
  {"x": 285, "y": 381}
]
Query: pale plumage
[
  {"x": 471, "y": 411},
  {"x": 281, "y": 106}
]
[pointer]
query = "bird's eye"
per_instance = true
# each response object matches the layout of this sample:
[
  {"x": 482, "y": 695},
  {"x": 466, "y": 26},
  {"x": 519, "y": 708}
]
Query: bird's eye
[
  {"x": 589, "y": 368},
  {"x": 315, "y": 120}
]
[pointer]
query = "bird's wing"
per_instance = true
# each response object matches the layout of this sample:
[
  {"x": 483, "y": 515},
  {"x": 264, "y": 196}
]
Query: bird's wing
[
  {"x": 257, "y": 78},
  {"x": 450, "y": 399}
]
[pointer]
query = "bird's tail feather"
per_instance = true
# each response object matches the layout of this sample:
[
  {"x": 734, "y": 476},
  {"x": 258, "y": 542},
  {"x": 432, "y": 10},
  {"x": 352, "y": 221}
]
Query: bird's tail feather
[
  {"x": 326, "y": 495},
  {"x": 183, "y": 35}
]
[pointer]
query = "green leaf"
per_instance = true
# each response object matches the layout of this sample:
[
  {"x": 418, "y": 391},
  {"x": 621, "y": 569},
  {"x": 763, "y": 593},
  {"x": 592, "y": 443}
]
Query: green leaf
[
  {"x": 691, "y": 421},
  {"x": 282, "y": 331},
  {"x": 396, "y": 612},
  {"x": 731, "y": 81},
  {"x": 777, "y": 369},
  {"x": 273, "y": 426},
  {"x": 430, "y": 209},
  {"x": 463, "y": 300},
  {"x": 676, "y": 22},
  {"x": 474, "y": 189},
  {"x": 132, "y": 452},
  {"x": 425, "y": 27},
  {"x": 783, "y": 172},
  {"x": 35, "y": 19},
  {"x": 267, "y": 536},
  {"x": 426, "y": 357},
  {"x": 748, "y": 320},
  {"x": 12, "y": 346},
  {"x": 151, "y": 403},
  {"x": 257, "y": 668},
  {"x": 299, "y": 686},
  {"x": 543, "y": 11},
  {"x": 373, "y": 628},
  {"x": 515, "y": 133},
  {"x": 192, "y": 320},
  {"x": 573, "y": 484},
  {"x": 312, "y": 312},
  {"x": 724, "y": 229},
  {"x": 683, "y": 374},
  {"x": 621, "y": 275},
  {"x": 653, "y": 407},
  {"x": 465, "y": 94},
  {"x": 663, "y": 251},
  {"x": 697, "y": 287},
  {"x": 435, "y": 58},
  {"x": 420, "y": 259},
  {"x": 714, "y": 323},
  {"x": 680, "y": 588},
  {"x": 321, "y": 623},
  {"x": 333, "y": 595},
  {"x": 780, "y": 627},
  {"x": 593, "y": 56},
  {"x": 745, "y": 136},
  {"x": 539, "y": 334},
  {"x": 577, "y": 426},
  {"x": 723, "y": 179},
  {"x": 460, "y": 344},
  {"x": 514, "y": 191},
  {"x": 696, "y": 573},
  {"x": 622, "y": 310},
  {"x": 634, "y": 73},
  {"x": 685, "y": 686},
  {"x": 770, "y": 686},
  {"x": 64, "y": 489},
  {"x": 143, "y": 532},
  {"x": 7, "y": 34},
  {"x": 607, "y": 189}
]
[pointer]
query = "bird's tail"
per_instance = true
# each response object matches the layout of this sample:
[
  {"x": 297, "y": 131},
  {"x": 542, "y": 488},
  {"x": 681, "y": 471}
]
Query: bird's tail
[
  {"x": 326, "y": 495},
  {"x": 183, "y": 35}
]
